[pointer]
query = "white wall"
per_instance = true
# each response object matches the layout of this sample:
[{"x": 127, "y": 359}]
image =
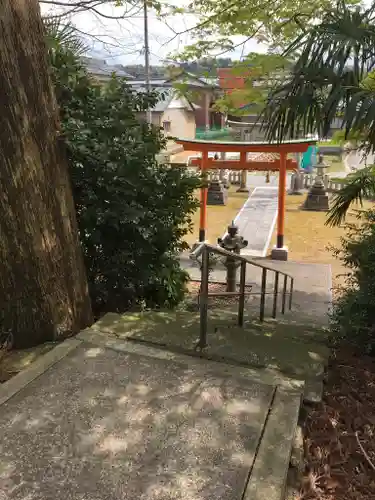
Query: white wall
[{"x": 182, "y": 122}]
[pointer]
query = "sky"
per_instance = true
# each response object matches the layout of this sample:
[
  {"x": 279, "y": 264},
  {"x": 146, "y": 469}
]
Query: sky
[{"x": 122, "y": 41}]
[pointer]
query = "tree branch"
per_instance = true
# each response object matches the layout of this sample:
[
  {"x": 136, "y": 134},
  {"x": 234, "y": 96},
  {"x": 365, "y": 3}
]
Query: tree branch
[
  {"x": 364, "y": 452},
  {"x": 273, "y": 3},
  {"x": 204, "y": 23},
  {"x": 90, "y": 5}
]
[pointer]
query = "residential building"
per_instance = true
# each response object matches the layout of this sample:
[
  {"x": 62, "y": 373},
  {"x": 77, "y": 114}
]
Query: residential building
[
  {"x": 174, "y": 113},
  {"x": 201, "y": 92},
  {"x": 102, "y": 71},
  {"x": 186, "y": 101}
]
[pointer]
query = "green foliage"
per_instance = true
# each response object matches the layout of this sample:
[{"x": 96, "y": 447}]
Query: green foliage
[
  {"x": 207, "y": 66},
  {"x": 358, "y": 186},
  {"x": 341, "y": 137},
  {"x": 132, "y": 212},
  {"x": 262, "y": 73},
  {"x": 354, "y": 310},
  {"x": 329, "y": 79},
  {"x": 275, "y": 23},
  {"x": 60, "y": 35},
  {"x": 332, "y": 76}
]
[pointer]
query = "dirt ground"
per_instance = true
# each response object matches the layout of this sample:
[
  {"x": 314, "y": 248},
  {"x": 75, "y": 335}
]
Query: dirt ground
[
  {"x": 340, "y": 433},
  {"x": 309, "y": 239},
  {"x": 218, "y": 217}
]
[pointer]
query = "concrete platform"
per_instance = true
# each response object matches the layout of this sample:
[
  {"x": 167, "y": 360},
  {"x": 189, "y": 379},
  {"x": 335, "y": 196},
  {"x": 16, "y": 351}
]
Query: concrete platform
[
  {"x": 312, "y": 296},
  {"x": 90, "y": 422}
]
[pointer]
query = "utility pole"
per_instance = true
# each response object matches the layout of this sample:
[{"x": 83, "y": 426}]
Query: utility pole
[{"x": 147, "y": 59}]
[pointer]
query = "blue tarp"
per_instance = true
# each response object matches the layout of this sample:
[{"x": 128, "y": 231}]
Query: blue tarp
[{"x": 309, "y": 159}]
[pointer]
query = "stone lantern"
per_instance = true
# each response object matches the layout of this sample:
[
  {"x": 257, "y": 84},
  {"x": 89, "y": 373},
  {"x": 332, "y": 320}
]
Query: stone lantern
[
  {"x": 234, "y": 243},
  {"x": 216, "y": 193},
  {"x": 317, "y": 197}
]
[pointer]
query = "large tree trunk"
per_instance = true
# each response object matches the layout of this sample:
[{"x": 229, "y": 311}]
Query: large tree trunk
[{"x": 43, "y": 286}]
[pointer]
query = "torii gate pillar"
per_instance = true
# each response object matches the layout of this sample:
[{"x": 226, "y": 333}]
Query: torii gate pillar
[{"x": 280, "y": 252}]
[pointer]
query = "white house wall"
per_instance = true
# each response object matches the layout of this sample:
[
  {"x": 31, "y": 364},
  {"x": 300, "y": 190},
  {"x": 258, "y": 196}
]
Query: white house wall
[{"x": 182, "y": 122}]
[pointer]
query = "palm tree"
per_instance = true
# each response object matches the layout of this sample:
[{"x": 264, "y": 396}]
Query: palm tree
[
  {"x": 333, "y": 75},
  {"x": 63, "y": 36}
]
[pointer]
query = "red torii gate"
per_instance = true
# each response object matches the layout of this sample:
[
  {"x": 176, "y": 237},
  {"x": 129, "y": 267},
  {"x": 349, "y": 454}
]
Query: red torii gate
[{"x": 243, "y": 148}]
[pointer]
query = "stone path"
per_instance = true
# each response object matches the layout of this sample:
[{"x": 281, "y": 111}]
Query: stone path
[
  {"x": 256, "y": 220},
  {"x": 256, "y": 179}
]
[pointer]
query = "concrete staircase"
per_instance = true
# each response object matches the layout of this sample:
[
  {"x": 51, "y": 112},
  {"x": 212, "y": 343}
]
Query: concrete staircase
[
  {"x": 282, "y": 352},
  {"x": 289, "y": 355},
  {"x": 273, "y": 427},
  {"x": 285, "y": 358}
]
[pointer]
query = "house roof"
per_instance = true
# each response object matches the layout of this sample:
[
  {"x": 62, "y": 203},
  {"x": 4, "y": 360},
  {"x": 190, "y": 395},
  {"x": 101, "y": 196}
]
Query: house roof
[
  {"x": 154, "y": 82},
  {"x": 231, "y": 83},
  {"x": 230, "y": 80},
  {"x": 194, "y": 80},
  {"x": 100, "y": 67},
  {"x": 184, "y": 77},
  {"x": 168, "y": 99},
  {"x": 166, "y": 96}
]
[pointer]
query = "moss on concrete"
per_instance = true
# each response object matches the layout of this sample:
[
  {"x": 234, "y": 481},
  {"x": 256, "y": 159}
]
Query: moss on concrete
[{"x": 286, "y": 348}]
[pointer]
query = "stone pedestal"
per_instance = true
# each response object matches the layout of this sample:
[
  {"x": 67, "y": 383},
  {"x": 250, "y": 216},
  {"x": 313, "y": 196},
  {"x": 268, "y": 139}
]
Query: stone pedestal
[
  {"x": 231, "y": 279},
  {"x": 279, "y": 253},
  {"x": 296, "y": 184},
  {"x": 317, "y": 198},
  {"x": 243, "y": 187},
  {"x": 216, "y": 193}
]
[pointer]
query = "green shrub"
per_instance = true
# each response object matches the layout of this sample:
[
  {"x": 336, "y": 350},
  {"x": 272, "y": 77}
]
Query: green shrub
[
  {"x": 353, "y": 317},
  {"x": 132, "y": 213}
]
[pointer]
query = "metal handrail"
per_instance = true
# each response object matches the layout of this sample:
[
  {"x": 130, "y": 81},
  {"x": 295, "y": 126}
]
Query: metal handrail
[
  {"x": 221, "y": 251},
  {"x": 204, "y": 250}
]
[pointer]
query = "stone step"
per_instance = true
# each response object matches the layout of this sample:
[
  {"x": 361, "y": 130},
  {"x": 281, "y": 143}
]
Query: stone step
[
  {"x": 269, "y": 469},
  {"x": 197, "y": 361},
  {"x": 296, "y": 467},
  {"x": 145, "y": 422},
  {"x": 291, "y": 324},
  {"x": 262, "y": 346},
  {"x": 268, "y": 479}
]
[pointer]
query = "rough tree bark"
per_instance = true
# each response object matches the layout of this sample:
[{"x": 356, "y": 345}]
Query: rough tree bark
[{"x": 43, "y": 286}]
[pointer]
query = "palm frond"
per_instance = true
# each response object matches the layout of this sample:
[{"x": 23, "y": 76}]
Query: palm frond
[
  {"x": 334, "y": 57},
  {"x": 359, "y": 185},
  {"x": 63, "y": 36}
]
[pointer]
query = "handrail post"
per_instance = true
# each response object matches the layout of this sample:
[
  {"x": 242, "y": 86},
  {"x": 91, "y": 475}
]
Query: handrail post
[
  {"x": 263, "y": 294},
  {"x": 241, "y": 302},
  {"x": 291, "y": 293},
  {"x": 203, "y": 299},
  {"x": 275, "y": 293},
  {"x": 284, "y": 294}
]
